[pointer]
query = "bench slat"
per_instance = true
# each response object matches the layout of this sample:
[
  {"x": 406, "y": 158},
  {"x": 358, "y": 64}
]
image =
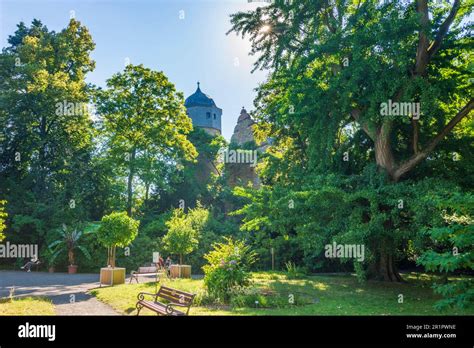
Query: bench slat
[
  {"x": 175, "y": 293},
  {"x": 175, "y": 299}
]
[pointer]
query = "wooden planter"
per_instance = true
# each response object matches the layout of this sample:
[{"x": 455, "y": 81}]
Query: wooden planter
[
  {"x": 180, "y": 271},
  {"x": 112, "y": 276}
]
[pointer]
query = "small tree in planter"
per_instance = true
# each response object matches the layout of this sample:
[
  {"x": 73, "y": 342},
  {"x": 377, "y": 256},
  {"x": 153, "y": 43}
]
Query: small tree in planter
[
  {"x": 181, "y": 237},
  {"x": 68, "y": 242},
  {"x": 116, "y": 230}
]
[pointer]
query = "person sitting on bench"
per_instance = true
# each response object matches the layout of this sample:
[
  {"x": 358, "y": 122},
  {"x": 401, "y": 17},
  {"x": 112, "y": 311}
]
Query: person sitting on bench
[{"x": 29, "y": 264}]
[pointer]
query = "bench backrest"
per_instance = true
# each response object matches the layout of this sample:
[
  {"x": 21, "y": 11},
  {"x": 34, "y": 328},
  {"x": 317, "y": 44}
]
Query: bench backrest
[
  {"x": 175, "y": 296},
  {"x": 151, "y": 269}
]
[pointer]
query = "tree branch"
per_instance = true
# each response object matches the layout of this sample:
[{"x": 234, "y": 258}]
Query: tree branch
[
  {"x": 422, "y": 50},
  {"x": 420, "y": 156},
  {"x": 443, "y": 29},
  {"x": 356, "y": 116}
]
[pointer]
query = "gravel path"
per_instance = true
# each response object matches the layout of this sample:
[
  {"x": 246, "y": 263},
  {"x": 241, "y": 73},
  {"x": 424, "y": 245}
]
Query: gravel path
[{"x": 67, "y": 291}]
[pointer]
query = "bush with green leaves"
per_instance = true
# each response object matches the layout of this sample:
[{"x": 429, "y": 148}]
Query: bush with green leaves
[
  {"x": 116, "y": 230},
  {"x": 452, "y": 250},
  {"x": 294, "y": 272},
  {"x": 228, "y": 267},
  {"x": 182, "y": 237}
]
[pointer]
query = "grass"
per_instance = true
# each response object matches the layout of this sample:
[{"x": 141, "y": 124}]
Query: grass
[
  {"x": 26, "y": 306},
  {"x": 316, "y": 295}
]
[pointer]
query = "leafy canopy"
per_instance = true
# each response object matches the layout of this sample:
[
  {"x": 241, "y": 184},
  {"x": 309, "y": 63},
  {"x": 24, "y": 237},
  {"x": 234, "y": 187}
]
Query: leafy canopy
[
  {"x": 117, "y": 229},
  {"x": 182, "y": 237}
]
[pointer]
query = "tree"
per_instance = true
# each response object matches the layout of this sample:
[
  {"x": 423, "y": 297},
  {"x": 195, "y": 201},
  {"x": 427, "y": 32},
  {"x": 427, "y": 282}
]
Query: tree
[
  {"x": 116, "y": 230},
  {"x": 335, "y": 65},
  {"x": 181, "y": 237},
  {"x": 3, "y": 216},
  {"x": 145, "y": 126},
  {"x": 45, "y": 149}
]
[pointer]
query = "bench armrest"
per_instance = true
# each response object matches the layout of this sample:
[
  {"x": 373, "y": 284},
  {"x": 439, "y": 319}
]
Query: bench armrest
[
  {"x": 170, "y": 309},
  {"x": 141, "y": 295}
]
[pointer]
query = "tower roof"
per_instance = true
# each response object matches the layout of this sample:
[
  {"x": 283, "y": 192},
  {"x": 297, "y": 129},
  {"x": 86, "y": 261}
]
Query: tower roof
[
  {"x": 199, "y": 99},
  {"x": 244, "y": 115}
]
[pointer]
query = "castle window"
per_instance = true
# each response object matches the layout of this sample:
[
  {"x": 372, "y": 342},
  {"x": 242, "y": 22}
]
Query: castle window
[
  {"x": 214, "y": 116},
  {"x": 208, "y": 114}
]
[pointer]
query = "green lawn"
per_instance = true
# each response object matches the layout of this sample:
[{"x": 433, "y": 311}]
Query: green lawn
[
  {"x": 315, "y": 295},
  {"x": 27, "y": 306}
]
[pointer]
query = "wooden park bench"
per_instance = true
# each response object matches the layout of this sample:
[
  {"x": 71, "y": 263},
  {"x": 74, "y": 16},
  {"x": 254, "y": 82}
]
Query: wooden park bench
[
  {"x": 172, "y": 298},
  {"x": 147, "y": 271}
]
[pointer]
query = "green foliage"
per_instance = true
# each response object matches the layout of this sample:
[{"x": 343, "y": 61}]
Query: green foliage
[
  {"x": 117, "y": 229},
  {"x": 3, "y": 216},
  {"x": 144, "y": 127},
  {"x": 452, "y": 250},
  {"x": 192, "y": 184},
  {"x": 45, "y": 152},
  {"x": 227, "y": 268},
  {"x": 293, "y": 271},
  {"x": 321, "y": 106},
  {"x": 362, "y": 209},
  {"x": 183, "y": 234},
  {"x": 69, "y": 242}
]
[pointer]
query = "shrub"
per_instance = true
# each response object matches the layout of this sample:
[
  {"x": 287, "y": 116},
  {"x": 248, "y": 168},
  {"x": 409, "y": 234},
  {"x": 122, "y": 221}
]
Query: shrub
[
  {"x": 293, "y": 271},
  {"x": 451, "y": 251},
  {"x": 228, "y": 267}
]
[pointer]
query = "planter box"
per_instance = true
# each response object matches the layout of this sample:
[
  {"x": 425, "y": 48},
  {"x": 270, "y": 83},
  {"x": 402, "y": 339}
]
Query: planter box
[
  {"x": 180, "y": 271},
  {"x": 112, "y": 276}
]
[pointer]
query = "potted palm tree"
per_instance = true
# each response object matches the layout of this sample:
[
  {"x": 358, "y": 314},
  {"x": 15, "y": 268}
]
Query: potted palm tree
[{"x": 68, "y": 242}]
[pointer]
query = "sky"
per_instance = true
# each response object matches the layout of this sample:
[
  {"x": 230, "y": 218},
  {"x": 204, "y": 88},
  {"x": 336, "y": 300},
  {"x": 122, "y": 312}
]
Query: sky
[{"x": 186, "y": 39}]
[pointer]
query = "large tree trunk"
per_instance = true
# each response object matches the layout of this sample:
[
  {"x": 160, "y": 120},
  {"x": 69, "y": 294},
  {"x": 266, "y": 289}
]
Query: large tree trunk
[
  {"x": 383, "y": 151},
  {"x": 385, "y": 267},
  {"x": 131, "y": 173}
]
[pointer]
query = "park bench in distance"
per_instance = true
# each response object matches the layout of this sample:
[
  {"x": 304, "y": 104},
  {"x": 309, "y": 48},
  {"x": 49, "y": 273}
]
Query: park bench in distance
[
  {"x": 146, "y": 271},
  {"x": 176, "y": 298}
]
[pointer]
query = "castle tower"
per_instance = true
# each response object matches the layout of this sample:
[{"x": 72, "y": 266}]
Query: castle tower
[
  {"x": 243, "y": 131},
  {"x": 204, "y": 112},
  {"x": 242, "y": 174},
  {"x": 205, "y": 115}
]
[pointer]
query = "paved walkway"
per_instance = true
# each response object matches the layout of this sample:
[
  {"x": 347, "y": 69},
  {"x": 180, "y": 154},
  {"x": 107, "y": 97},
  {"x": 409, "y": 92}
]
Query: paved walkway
[{"x": 67, "y": 291}]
